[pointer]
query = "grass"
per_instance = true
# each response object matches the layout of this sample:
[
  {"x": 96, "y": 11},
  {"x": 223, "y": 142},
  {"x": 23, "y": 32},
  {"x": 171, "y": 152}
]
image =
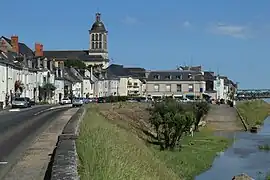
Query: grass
[
  {"x": 108, "y": 151},
  {"x": 265, "y": 147},
  {"x": 196, "y": 156},
  {"x": 254, "y": 112}
]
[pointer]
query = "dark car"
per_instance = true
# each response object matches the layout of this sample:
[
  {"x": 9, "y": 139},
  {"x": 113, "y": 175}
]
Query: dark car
[
  {"x": 31, "y": 102},
  {"x": 101, "y": 100}
]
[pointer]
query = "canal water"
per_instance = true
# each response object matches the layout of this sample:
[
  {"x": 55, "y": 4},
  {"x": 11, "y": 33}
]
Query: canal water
[{"x": 243, "y": 156}]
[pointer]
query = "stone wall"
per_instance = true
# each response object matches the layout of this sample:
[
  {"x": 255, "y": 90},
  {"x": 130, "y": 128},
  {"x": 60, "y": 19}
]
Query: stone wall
[{"x": 65, "y": 160}]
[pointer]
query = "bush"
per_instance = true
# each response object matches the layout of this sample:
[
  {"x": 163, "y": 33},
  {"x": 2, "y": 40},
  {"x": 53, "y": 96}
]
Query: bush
[
  {"x": 170, "y": 121},
  {"x": 200, "y": 109}
]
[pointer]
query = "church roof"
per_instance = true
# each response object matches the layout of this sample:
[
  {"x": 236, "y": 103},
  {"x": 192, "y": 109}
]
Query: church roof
[
  {"x": 74, "y": 54},
  {"x": 98, "y": 25}
]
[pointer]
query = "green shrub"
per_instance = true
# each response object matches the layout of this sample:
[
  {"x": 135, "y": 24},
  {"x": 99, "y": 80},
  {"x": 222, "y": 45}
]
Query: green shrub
[{"x": 170, "y": 121}]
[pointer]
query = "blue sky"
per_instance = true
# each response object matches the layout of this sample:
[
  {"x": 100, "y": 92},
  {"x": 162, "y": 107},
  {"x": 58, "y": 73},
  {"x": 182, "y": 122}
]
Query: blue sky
[{"x": 228, "y": 36}]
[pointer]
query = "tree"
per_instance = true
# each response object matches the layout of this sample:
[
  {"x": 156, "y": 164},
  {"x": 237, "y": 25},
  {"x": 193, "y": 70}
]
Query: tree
[
  {"x": 170, "y": 120},
  {"x": 75, "y": 63},
  {"x": 48, "y": 90},
  {"x": 200, "y": 109}
]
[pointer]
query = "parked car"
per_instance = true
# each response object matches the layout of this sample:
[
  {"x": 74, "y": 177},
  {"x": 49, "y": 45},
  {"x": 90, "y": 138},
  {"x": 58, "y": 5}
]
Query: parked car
[
  {"x": 101, "y": 100},
  {"x": 21, "y": 102},
  {"x": 86, "y": 100},
  {"x": 77, "y": 102},
  {"x": 32, "y": 102},
  {"x": 65, "y": 101}
]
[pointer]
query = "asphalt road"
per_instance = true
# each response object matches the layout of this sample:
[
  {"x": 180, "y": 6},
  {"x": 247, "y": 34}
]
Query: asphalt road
[{"x": 18, "y": 129}]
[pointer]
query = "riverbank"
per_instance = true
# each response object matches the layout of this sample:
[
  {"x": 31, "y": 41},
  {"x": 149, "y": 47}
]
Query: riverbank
[
  {"x": 110, "y": 148},
  {"x": 253, "y": 112}
]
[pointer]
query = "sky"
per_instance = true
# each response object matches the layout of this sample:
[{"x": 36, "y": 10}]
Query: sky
[{"x": 228, "y": 37}]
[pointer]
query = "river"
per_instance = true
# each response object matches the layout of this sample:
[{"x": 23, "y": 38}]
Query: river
[{"x": 243, "y": 156}]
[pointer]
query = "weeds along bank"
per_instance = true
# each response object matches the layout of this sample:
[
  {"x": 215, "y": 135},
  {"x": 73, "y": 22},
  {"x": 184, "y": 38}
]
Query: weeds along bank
[
  {"x": 136, "y": 141},
  {"x": 253, "y": 112}
]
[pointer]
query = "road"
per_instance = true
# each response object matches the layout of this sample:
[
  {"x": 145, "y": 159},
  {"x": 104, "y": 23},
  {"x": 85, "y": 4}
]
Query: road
[{"x": 18, "y": 129}]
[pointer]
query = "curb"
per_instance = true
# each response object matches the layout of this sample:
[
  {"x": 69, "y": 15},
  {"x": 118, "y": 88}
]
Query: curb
[
  {"x": 242, "y": 119},
  {"x": 65, "y": 158}
]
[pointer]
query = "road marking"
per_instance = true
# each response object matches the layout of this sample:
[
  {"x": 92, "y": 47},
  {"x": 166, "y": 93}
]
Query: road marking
[
  {"x": 3, "y": 163},
  {"x": 52, "y": 108},
  {"x": 14, "y": 110}
]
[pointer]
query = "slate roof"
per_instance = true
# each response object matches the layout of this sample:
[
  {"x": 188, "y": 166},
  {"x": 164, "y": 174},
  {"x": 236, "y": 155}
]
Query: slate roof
[
  {"x": 74, "y": 54},
  {"x": 192, "y": 68},
  {"x": 209, "y": 76},
  {"x": 175, "y": 75},
  {"x": 115, "y": 70},
  {"x": 23, "y": 48},
  {"x": 69, "y": 75},
  {"x": 98, "y": 25}
]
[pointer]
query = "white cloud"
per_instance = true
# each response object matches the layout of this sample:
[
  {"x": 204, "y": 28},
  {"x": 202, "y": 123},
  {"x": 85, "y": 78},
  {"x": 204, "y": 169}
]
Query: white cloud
[
  {"x": 130, "y": 20},
  {"x": 236, "y": 31},
  {"x": 186, "y": 24}
]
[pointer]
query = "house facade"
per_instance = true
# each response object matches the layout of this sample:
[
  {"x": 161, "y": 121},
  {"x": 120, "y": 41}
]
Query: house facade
[
  {"x": 175, "y": 83},
  {"x": 23, "y": 72}
]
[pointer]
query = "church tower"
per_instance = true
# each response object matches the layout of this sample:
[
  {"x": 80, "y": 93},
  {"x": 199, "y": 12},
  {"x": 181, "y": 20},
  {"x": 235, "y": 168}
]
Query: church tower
[{"x": 98, "y": 38}]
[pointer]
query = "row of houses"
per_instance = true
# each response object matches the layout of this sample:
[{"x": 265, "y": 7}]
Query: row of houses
[
  {"x": 32, "y": 74},
  {"x": 183, "y": 82},
  {"x": 49, "y": 76}
]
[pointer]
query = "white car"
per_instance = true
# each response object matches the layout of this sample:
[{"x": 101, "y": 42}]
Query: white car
[{"x": 65, "y": 101}]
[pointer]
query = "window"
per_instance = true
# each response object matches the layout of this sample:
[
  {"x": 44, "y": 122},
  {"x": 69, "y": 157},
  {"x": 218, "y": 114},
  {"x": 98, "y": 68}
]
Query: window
[
  {"x": 156, "y": 87},
  {"x": 106, "y": 85},
  {"x": 99, "y": 45},
  {"x": 96, "y": 37},
  {"x": 100, "y": 37},
  {"x": 135, "y": 84},
  {"x": 178, "y": 87},
  {"x": 96, "y": 45},
  {"x": 168, "y": 87},
  {"x": 156, "y": 77},
  {"x": 93, "y": 44},
  {"x": 190, "y": 88},
  {"x": 93, "y": 37},
  {"x": 179, "y": 77},
  {"x": 168, "y": 77},
  {"x": 105, "y": 45}
]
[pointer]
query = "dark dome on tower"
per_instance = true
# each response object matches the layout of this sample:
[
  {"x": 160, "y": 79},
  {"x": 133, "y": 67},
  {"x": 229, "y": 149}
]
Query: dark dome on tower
[{"x": 98, "y": 25}]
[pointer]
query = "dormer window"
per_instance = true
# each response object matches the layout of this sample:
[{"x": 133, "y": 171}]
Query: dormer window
[
  {"x": 156, "y": 77},
  {"x": 168, "y": 77},
  {"x": 179, "y": 77}
]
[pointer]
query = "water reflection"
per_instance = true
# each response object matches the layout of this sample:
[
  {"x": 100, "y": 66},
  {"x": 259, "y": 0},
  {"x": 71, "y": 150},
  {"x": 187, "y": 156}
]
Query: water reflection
[{"x": 243, "y": 157}]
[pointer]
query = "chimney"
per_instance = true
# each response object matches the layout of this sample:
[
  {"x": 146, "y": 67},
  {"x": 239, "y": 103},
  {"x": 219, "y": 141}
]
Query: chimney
[
  {"x": 15, "y": 43},
  {"x": 98, "y": 17},
  {"x": 45, "y": 63},
  {"x": 55, "y": 63},
  {"x": 30, "y": 65},
  {"x": 38, "y": 50},
  {"x": 51, "y": 65},
  {"x": 38, "y": 63}
]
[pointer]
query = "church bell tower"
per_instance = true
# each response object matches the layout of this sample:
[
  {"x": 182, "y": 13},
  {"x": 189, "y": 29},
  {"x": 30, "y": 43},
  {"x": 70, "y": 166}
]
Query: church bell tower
[{"x": 98, "y": 38}]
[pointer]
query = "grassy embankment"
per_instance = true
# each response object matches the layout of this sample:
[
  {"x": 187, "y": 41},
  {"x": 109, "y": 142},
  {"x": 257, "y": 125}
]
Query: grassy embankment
[
  {"x": 254, "y": 112},
  {"x": 111, "y": 148}
]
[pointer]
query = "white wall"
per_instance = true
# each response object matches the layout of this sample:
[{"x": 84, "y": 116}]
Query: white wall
[
  {"x": 87, "y": 88},
  {"x": 105, "y": 88},
  {"x": 77, "y": 89},
  {"x": 3, "y": 84},
  {"x": 59, "y": 84},
  {"x": 219, "y": 87}
]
